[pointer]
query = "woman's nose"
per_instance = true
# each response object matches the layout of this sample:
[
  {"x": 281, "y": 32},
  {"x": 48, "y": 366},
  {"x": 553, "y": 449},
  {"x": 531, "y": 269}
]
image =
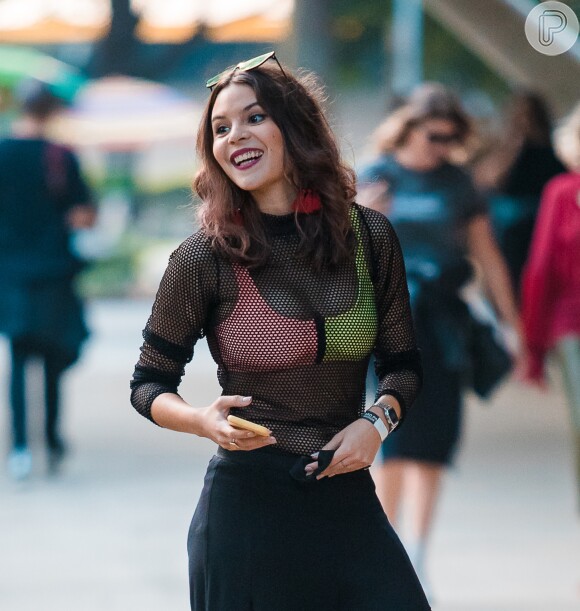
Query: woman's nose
[{"x": 237, "y": 132}]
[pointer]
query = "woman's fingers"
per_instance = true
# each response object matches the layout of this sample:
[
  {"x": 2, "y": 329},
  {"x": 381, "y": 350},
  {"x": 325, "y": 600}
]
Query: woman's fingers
[
  {"x": 333, "y": 444},
  {"x": 226, "y": 402},
  {"x": 343, "y": 466},
  {"x": 346, "y": 465},
  {"x": 311, "y": 468},
  {"x": 229, "y": 437},
  {"x": 354, "y": 448},
  {"x": 248, "y": 444},
  {"x": 237, "y": 439},
  {"x": 230, "y": 434},
  {"x": 256, "y": 442},
  {"x": 336, "y": 466}
]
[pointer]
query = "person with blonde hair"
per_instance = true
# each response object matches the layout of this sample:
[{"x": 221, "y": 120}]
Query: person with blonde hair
[
  {"x": 551, "y": 279},
  {"x": 441, "y": 221}
]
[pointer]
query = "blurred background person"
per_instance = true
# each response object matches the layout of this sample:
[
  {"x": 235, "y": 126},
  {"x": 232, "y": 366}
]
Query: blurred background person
[
  {"x": 551, "y": 279},
  {"x": 42, "y": 198},
  {"x": 441, "y": 220},
  {"x": 513, "y": 173}
]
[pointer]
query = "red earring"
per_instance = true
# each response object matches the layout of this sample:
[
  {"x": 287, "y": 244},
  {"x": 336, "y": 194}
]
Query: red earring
[
  {"x": 307, "y": 201},
  {"x": 238, "y": 218}
]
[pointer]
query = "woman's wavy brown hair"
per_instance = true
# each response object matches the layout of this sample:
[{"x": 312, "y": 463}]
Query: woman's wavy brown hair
[{"x": 313, "y": 161}]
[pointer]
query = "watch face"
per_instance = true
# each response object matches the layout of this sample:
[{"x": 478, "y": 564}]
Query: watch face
[{"x": 393, "y": 415}]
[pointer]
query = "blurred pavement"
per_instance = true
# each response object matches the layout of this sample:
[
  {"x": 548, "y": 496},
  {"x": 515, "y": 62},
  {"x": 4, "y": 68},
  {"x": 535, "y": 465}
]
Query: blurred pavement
[{"x": 109, "y": 533}]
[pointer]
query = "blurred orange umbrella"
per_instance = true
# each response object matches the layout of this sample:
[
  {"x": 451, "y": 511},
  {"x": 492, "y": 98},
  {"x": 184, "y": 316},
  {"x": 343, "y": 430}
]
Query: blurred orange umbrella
[{"x": 161, "y": 21}]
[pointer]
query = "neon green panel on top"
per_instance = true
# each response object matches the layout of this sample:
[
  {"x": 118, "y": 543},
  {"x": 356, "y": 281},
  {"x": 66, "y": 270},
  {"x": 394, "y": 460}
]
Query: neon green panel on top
[{"x": 351, "y": 336}]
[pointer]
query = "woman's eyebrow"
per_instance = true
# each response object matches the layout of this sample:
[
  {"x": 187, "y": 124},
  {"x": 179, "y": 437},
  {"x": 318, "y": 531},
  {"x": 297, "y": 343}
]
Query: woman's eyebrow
[{"x": 245, "y": 109}]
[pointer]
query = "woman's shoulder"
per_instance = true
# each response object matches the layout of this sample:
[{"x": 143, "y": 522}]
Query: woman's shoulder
[
  {"x": 197, "y": 248},
  {"x": 377, "y": 223}
]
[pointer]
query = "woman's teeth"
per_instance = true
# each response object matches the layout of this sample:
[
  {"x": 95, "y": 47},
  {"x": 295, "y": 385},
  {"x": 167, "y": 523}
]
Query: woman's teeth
[{"x": 250, "y": 155}]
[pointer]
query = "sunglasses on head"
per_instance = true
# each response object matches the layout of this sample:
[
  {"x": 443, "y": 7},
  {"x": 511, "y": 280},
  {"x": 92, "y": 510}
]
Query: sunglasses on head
[
  {"x": 246, "y": 66},
  {"x": 436, "y": 138}
]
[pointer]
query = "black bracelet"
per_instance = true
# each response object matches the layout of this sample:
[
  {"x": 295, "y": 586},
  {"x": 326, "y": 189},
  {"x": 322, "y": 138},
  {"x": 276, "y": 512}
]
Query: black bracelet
[{"x": 371, "y": 417}]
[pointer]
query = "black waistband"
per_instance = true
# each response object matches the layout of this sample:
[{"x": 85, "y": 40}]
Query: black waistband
[
  {"x": 262, "y": 458},
  {"x": 293, "y": 464}
]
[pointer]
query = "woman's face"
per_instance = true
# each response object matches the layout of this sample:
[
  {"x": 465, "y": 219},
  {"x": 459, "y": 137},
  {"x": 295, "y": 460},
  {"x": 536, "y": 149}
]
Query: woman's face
[
  {"x": 434, "y": 140},
  {"x": 249, "y": 146}
]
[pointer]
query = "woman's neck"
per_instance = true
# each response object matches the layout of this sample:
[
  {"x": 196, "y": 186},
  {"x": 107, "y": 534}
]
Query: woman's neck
[{"x": 276, "y": 200}]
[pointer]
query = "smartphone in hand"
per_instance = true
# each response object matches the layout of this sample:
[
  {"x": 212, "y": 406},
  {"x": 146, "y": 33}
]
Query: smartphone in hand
[{"x": 240, "y": 423}]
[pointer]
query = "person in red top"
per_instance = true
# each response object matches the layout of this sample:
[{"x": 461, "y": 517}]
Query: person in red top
[{"x": 551, "y": 281}]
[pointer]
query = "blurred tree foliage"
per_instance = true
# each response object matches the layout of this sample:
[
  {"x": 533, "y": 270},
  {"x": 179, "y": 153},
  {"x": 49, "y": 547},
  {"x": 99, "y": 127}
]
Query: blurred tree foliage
[
  {"x": 447, "y": 60},
  {"x": 361, "y": 31}
]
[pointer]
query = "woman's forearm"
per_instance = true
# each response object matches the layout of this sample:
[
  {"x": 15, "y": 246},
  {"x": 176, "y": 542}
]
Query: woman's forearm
[
  {"x": 499, "y": 286},
  {"x": 485, "y": 251},
  {"x": 171, "y": 412}
]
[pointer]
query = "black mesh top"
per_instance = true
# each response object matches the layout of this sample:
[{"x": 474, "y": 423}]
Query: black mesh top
[{"x": 298, "y": 342}]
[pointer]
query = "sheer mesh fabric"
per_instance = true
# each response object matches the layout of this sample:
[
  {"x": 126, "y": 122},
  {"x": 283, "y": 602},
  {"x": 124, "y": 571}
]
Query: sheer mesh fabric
[{"x": 295, "y": 340}]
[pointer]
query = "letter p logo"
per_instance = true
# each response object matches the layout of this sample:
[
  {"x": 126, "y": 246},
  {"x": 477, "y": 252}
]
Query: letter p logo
[
  {"x": 551, "y": 23},
  {"x": 552, "y": 27}
]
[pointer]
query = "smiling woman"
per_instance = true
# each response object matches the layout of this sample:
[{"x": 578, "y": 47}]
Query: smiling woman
[
  {"x": 298, "y": 147},
  {"x": 246, "y": 138},
  {"x": 294, "y": 286}
]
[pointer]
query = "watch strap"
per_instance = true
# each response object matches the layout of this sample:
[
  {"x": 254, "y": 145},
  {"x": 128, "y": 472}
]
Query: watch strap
[{"x": 377, "y": 422}]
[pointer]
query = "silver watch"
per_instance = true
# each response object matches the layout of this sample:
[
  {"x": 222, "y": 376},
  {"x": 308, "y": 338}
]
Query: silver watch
[{"x": 390, "y": 415}]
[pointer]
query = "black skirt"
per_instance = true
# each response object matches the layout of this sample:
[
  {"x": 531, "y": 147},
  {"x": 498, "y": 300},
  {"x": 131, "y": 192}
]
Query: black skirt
[{"x": 262, "y": 541}]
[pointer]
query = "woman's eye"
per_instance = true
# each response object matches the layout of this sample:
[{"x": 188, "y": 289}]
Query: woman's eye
[
  {"x": 221, "y": 129},
  {"x": 257, "y": 118}
]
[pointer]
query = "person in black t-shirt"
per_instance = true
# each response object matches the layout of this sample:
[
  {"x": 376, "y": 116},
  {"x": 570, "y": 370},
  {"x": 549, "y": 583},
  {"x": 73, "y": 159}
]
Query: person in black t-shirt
[
  {"x": 441, "y": 220},
  {"x": 294, "y": 287},
  {"x": 42, "y": 197}
]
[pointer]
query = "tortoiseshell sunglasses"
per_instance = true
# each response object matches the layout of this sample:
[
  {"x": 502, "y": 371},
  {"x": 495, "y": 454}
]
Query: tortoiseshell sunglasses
[{"x": 246, "y": 66}]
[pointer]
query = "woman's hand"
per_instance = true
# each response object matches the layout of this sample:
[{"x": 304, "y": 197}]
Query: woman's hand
[
  {"x": 216, "y": 427},
  {"x": 355, "y": 448}
]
